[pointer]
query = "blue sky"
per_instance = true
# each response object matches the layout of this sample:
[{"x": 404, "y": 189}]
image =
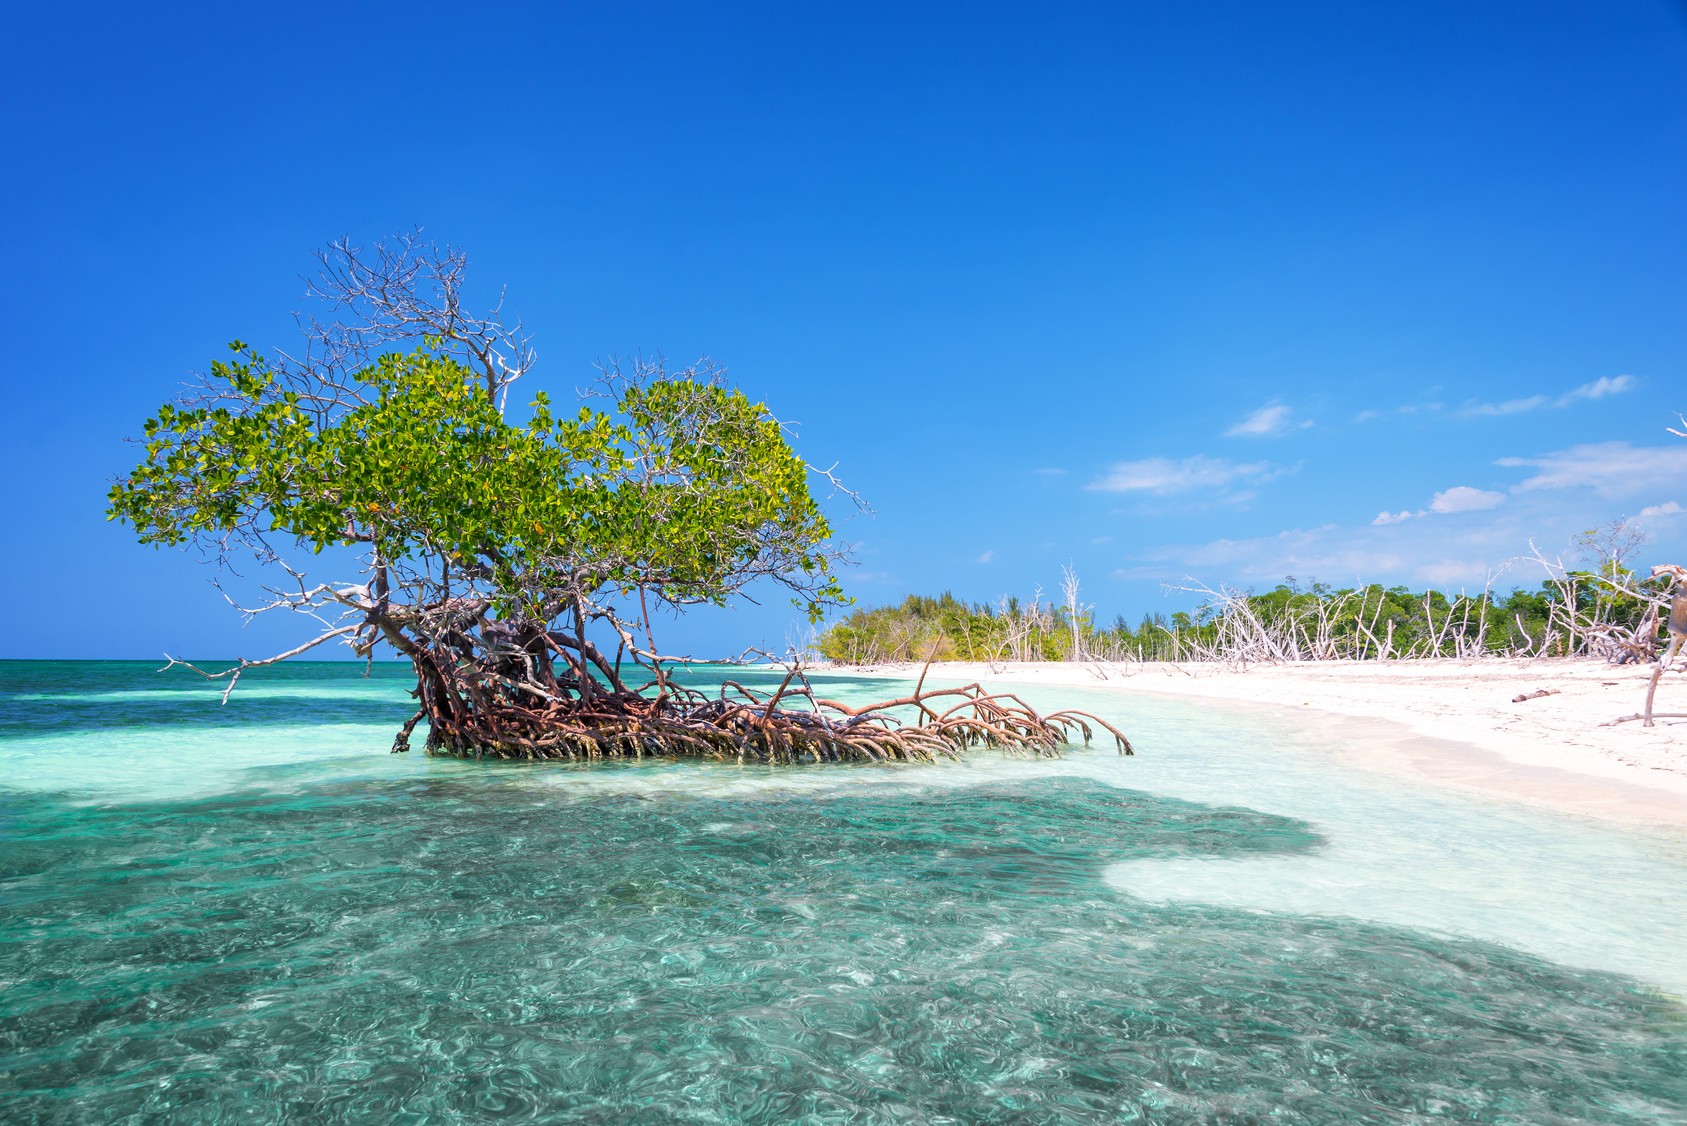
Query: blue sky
[{"x": 1159, "y": 290}]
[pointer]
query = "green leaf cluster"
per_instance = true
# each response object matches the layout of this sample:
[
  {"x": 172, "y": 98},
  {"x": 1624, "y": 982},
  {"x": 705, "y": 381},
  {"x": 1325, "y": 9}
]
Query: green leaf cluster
[{"x": 685, "y": 487}]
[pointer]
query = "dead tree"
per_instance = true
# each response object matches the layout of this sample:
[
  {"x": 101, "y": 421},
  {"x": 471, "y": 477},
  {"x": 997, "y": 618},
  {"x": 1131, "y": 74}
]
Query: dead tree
[
  {"x": 1074, "y": 609},
  {"x": 1675, "y": 627}
]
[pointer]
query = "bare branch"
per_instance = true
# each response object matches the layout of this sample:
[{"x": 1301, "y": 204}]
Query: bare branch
[{"x": 243, "y": 664}]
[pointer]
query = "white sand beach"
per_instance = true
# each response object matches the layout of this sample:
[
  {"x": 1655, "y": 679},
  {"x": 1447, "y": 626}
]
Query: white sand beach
[{"x": 1453, "y": 722}]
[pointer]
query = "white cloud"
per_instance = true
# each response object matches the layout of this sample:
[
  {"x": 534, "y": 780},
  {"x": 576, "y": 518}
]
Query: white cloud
[
  {"x": 1510, "y": 406},
  {"x": 1328, "y": 552},
  {"x": 1446, "y": 549},
  {"x": 1456, "y": 555},
  {"x": 1612, "y": 469},
  {"x": 987, "y": 556},
  {"x": 1598, "y": 389},
  {"x": 1459, "y": 498},
  {"x": 1049, "y": 472},
  {"x": 1463, "y": 498},
  {"x": 1267, "y": 422},
  {"x": 1407, "y": 408},
  {"x": 1164, "y": 475}
]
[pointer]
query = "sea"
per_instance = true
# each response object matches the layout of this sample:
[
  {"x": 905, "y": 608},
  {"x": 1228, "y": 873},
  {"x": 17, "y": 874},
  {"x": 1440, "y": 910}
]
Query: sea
[{"x": 253, "y": 912}]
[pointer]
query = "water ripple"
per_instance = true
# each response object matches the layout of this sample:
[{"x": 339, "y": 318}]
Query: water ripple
[{"x": 460, "y": 948}]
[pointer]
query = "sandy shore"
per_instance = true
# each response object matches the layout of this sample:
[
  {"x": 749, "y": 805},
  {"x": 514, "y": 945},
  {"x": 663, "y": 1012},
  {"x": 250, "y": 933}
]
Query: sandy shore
[{"x": 1452, "y": 722}]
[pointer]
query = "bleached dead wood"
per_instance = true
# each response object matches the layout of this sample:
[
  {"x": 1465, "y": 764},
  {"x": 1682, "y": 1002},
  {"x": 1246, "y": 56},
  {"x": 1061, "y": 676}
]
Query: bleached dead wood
[{"x": 1676, "y": 632}]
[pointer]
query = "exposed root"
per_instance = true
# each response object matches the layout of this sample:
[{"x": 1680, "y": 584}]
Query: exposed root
[{"x": 494, "y": 716}]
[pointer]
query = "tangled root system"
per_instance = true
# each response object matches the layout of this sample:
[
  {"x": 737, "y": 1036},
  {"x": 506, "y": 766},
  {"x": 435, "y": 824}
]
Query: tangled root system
[{"x": 502, "y": 718}]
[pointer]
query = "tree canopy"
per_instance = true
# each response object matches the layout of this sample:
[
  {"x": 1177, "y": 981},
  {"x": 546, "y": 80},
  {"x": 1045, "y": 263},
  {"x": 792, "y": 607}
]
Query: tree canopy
[{"x": 688, "y": 490}]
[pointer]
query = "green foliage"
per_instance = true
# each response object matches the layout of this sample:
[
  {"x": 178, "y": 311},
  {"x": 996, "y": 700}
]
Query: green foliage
[
  {"x": 1318, "y": 621},
  {"x": 952, "y": 629},
  {"x": 688, "y": 488}
]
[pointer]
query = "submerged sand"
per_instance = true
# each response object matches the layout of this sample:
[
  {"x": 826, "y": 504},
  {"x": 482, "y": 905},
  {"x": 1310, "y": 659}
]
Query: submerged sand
[{"x": 1456, "y": 723}]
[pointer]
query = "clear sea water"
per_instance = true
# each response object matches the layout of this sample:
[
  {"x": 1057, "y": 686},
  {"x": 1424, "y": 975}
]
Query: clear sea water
[{"x": 254, "y": 913}]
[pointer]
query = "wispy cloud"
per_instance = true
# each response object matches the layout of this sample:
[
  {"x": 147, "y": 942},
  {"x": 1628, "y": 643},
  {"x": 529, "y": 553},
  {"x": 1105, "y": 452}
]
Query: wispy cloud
[
  {"x": 1599, "y": 388},
  {"x": 1604, "y": 386},
  {"x": 987, "y": 556},
  {"x": 1049, "y": 472},
  {"x": 1459, "y": 498},
  {"x": 1268, "y": 422},
  {"x": 1612, "y": 469},
  {"x": 873, "y": 577},
  {"x": 1438, "y": 552},
  {"x": 1407, "y": 408},
  {"x": 1463, "y": 498},
  {"x": 1164, "y": 475},
  {"x": 1329, "y": 552},
  {"x": 1463, "y": 536},
  {"x": 1510, "y": 406}
]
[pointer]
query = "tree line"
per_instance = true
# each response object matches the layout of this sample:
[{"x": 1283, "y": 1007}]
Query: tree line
[{"x": 1605, "y": 611}]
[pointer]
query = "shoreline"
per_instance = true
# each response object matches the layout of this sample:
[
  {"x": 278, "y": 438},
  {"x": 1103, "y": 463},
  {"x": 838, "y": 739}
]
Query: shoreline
[{"x": 1446, "y": 722}]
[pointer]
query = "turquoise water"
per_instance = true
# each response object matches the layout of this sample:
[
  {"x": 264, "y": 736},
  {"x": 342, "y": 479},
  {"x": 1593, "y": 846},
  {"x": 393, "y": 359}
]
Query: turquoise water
[{"x": 254, "y": 913}]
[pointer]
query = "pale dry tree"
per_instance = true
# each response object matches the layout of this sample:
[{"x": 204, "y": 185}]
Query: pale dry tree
[
  {"x": 1643, "y": 640},
  {"x": 1022, "y": 622},
  {"x": 1676, "y": 631},
  {"x": 1074, "y": 608}
]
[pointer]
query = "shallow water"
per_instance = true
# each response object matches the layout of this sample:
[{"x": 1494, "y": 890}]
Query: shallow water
[{"x": 255, "y": 913}]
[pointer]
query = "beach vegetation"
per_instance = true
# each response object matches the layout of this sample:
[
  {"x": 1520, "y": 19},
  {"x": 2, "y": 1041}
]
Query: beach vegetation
[{"x": 1605, "y": 610}]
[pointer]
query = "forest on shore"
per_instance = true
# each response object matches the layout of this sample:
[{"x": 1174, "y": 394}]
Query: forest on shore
[{"x": 1609, "y": 612}]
